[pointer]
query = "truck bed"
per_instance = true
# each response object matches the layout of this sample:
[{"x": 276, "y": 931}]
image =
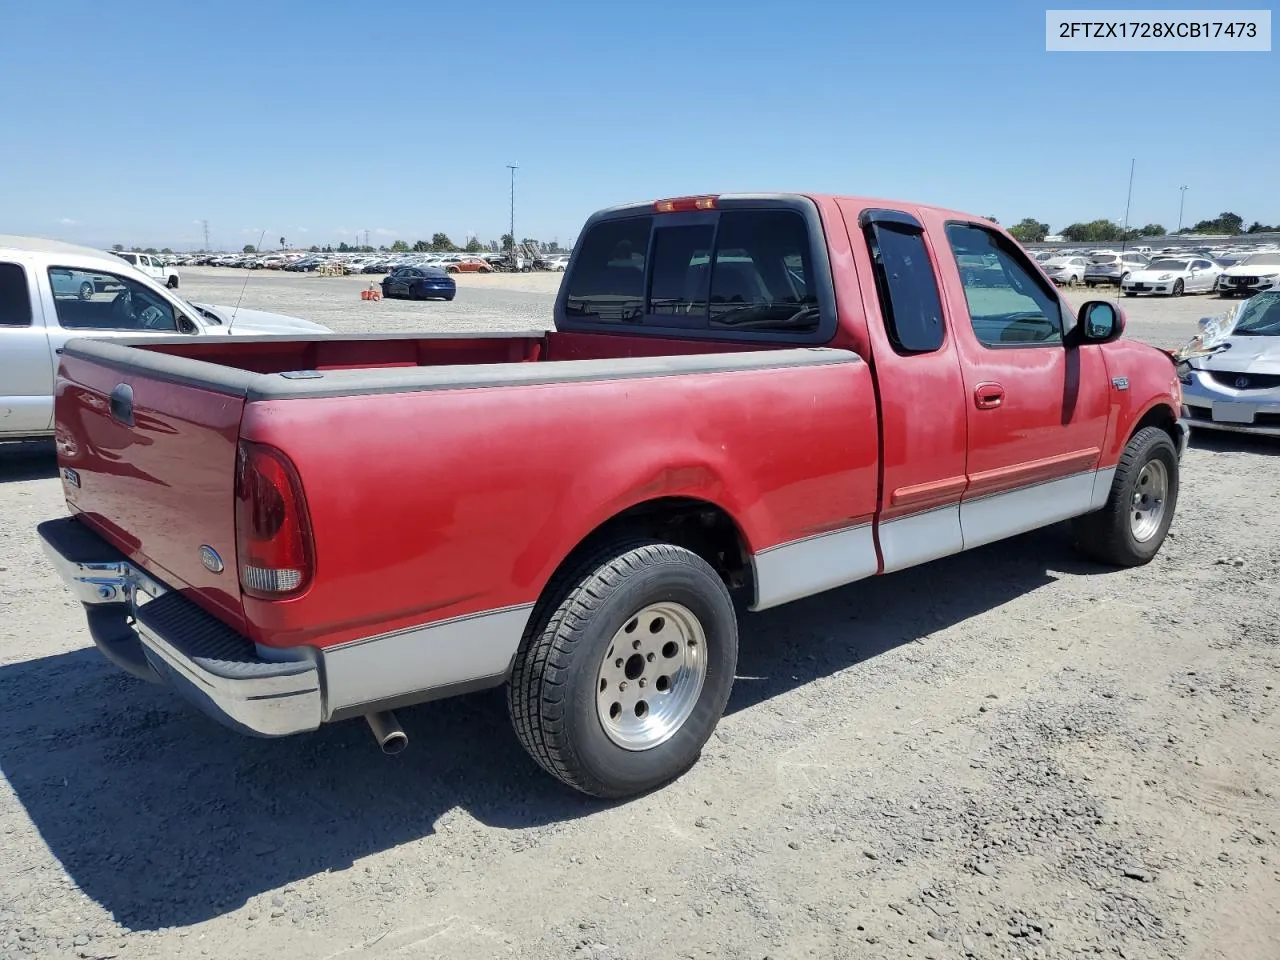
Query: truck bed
[
  {"x": 448, "y": 475},
  {"x": 274, "y": 355}
]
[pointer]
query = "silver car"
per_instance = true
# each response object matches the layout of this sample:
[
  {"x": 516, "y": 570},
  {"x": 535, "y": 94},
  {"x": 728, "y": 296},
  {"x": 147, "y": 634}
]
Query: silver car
[
  {"x": 1066, "y": 271},
  {"x": 1113, "y": 267},
  {"x": 1232, "y": 382}
]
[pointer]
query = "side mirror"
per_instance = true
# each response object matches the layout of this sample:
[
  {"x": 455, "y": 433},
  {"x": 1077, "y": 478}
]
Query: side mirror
[{"x": 1099, "y": 322}]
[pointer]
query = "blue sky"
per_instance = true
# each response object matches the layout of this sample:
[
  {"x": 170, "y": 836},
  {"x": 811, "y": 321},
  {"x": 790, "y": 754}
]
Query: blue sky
[{"x": 130, "y": 122}]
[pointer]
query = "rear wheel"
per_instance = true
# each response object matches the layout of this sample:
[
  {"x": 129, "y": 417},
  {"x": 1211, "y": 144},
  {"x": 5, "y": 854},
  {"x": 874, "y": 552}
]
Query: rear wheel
[
  {"x": 1129, "y": 530},
  {"x": 173, "y": 283},
  {"x": 625, "y": 668},
  {"x": 86, "y": 290}
]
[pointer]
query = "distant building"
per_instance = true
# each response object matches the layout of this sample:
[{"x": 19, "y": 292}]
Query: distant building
[{"x": 1055, "y": 238}]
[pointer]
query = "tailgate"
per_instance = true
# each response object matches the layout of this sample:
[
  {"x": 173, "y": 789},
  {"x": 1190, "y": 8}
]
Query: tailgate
[{"x": 149, "y": 460}]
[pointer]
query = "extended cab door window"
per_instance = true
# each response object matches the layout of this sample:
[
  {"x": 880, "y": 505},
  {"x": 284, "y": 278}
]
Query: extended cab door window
[
  {"x": 114, "y": 303},
  {"x": 907, "y": 287},
  {"x": 1009, "y": 304}
]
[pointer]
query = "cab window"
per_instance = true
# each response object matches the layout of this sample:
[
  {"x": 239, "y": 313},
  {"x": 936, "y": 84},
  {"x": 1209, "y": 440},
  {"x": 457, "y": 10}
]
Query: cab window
[
  {"x": 107, "y": 301},
  {"x": 1009, "y": 304}
]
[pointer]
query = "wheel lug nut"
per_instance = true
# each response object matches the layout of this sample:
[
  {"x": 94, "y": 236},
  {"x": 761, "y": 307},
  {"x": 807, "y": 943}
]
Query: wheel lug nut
[
  {"x": 642, "y": 682},
  {"x": 622, "y": 685},
  {"x": 618, "y": 663},
  {"x": 651, "y": 658},
  {"x": 635, "y": 644}
]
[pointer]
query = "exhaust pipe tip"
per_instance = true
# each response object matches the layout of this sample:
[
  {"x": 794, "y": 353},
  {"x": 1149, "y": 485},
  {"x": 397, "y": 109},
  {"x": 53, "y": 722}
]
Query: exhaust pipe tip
[{"x": 387, "y": 732}]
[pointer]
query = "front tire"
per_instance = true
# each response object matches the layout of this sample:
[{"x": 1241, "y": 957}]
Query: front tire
[
  {"x": 86, "y": 290},
  {"x": 173, "y": 283},
  {"x": 1129, "y": 530},
  {"x": 625, "y": 668},
  {"x": 1178, "y": 287}
]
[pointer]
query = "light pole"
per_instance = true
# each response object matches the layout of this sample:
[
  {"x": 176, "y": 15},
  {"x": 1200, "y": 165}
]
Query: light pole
[
  {"x": 513, "y": 167},
  {"x": 1181, "y": 202}
]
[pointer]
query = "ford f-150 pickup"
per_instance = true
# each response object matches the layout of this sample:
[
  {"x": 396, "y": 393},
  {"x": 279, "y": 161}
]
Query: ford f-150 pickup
[{"x": 765, "y": 395}]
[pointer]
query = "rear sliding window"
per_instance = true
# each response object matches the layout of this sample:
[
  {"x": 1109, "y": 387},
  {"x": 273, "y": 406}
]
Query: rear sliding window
[{"x": 748, "y": 270}]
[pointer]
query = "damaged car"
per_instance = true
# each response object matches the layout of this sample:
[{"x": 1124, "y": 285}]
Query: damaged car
[{"x": 1230, "y": 372}]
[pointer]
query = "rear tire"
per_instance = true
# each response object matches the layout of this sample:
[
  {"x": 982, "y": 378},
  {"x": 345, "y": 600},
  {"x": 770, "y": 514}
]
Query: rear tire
[
  {"x": 1129, "y": 530},
  {"x": 86, "y": 290},
  {"x": 578, "y": 657},
  {"x": 173, "y": 283}
]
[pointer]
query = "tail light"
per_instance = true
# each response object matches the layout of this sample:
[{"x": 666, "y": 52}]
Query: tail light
[
  {"x": 273, "y": 532},
  {"x": 683, "y": 204}
]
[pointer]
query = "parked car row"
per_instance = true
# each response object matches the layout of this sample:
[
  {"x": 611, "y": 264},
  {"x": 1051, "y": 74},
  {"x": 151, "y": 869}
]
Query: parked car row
[
  {"x": 348, "y": 263},
  {"x": 1138, "y": 273}
]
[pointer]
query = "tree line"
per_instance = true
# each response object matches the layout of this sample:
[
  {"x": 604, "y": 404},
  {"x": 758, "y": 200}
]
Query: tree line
[{"x": 1030, "y": 230}]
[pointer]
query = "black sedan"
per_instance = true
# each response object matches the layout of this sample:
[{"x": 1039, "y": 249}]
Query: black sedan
[{"x": 419, "y": 283}]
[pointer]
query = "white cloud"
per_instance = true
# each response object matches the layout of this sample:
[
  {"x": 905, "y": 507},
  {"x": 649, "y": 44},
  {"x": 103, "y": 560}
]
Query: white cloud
[
  {"x": 384, "y": 232},
  {"x": 302, "y": 229},
  {"x": 68, "y": 222}
]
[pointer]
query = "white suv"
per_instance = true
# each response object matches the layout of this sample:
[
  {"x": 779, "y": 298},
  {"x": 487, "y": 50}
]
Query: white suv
[{"x": 153, "y": 267}]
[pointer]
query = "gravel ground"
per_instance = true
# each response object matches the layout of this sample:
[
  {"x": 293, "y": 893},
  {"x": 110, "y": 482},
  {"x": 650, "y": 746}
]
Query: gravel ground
[{"x": 1010, "y": 753}]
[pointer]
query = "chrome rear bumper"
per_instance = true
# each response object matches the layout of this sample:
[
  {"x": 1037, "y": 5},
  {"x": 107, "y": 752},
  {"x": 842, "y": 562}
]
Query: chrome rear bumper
[{"x": 146, "y": 628}]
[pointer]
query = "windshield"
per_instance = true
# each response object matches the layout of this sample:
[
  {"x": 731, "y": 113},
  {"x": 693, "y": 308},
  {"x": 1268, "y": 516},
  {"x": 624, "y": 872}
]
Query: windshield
[
  {"x": 1259, "y": 317},
  {"x": 1261, "y": 260},
  {"x": 1168, "y": 265}
]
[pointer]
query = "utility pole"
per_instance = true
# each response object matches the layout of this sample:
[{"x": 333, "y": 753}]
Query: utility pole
[
  {"x": 205, "y": 224},
  {"x": 1181, "y": 202},
  {"x": 513, "y": 167}
]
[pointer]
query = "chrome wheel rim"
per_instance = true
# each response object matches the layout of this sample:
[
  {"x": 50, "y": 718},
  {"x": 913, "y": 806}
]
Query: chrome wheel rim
[
  {"x": 651, "y": 676},
  {"x": 1149, "y": 495}
]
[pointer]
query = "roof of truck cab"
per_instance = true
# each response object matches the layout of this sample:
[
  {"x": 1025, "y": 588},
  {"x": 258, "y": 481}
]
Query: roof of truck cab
[
  {"x": 818, "y": 198},
  {"x": 45, "y": 245}
]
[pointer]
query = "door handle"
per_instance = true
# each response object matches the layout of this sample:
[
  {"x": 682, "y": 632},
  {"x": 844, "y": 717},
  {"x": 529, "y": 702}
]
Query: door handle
[
  {"x": 122, "y": 404},
  {"x": 988, "y": 396}
]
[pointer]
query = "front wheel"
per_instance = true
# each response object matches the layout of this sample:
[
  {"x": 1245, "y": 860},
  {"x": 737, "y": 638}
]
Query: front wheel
[
  {"x": 86, "y": 290},
  {"x": 1129, "y": 530},
  {"x": 625, "y": 668},
  {"x": 1178, "y": 287},
  {"x": 173, "y": 283}
]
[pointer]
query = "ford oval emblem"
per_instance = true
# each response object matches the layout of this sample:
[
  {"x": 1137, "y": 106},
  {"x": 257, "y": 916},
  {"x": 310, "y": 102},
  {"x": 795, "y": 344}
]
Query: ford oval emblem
[{"x": 209, "y": 557}]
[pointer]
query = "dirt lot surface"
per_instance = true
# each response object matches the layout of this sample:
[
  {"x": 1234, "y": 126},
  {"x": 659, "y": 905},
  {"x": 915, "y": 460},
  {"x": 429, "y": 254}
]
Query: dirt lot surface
[{"x": 1010, "y": 753}]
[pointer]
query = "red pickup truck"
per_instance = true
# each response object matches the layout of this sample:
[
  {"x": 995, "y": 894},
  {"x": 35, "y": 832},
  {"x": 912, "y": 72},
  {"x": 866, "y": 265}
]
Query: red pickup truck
[{"x": 763, "y": 395}]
